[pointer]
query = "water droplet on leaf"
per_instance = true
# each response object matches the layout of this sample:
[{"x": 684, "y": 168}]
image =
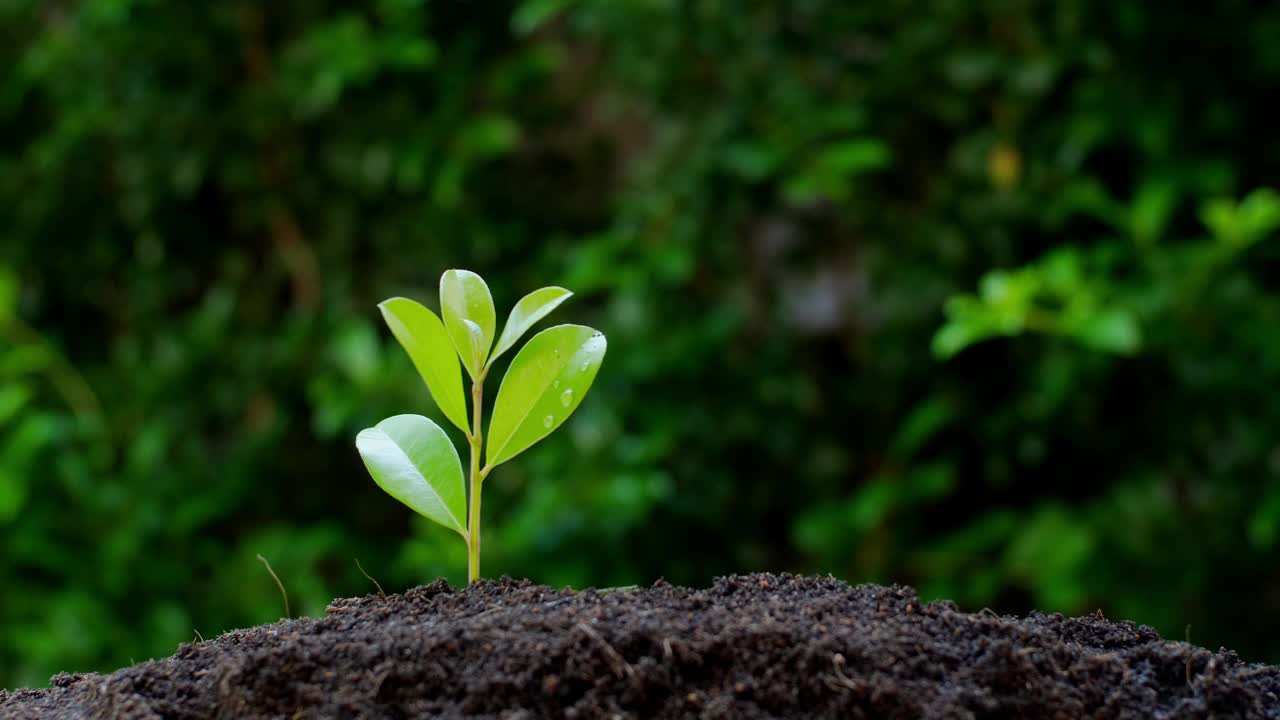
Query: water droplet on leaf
[
  {"x": 566, "y": 397},
  {"x": 548, "y": 421}
]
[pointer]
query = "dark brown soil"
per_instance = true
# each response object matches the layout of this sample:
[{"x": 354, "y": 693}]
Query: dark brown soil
[{"x": 757, "y": 646}]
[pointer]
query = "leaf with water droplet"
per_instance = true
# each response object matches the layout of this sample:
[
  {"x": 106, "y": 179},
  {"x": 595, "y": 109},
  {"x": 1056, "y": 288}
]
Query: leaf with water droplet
[
  {"x": 566, "y": 397},
  {"x": 529, "y": 393},
  {"x": 531, "y": 308},
  {"x": 469, "y": 317},
  {"x": 424, "y": 338},
  {"x": 412, "y": 459}
]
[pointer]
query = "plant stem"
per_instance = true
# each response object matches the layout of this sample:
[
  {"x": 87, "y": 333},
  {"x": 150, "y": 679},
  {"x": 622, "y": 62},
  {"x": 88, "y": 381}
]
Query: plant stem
[{"x": 473, "y": 520}]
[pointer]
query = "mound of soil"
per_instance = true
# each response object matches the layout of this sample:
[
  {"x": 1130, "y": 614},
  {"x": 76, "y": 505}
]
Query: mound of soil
[{"x": 756, "y": 646}]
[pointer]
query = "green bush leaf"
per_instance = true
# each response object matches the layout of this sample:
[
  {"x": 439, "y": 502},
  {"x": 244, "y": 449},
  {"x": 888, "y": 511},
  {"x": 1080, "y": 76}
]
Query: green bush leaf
[
  {"x": 1260, "y": 213},
  {"x": 412, "y": 459},
  {"x": 423, "y": 336},
  {"x": 9, "y": 293},
  {"x": 13, "y": 492},
  {"x": 464, "y": 298},
  {"x": 531, "y": 308},
  {"x": 533, "y": 14},
  {"x": 1153, "y": 208},
  {"x": 1114, "y": 331},
  {"x": 544, "y": 385},
  {"x": 1219, "y": 215},
  {"x": 956, "y": 335},
  {"x": 13, "y": 397}
]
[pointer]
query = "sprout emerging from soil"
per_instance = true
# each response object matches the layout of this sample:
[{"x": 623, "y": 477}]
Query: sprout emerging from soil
[{"x": 412, "y": 459}]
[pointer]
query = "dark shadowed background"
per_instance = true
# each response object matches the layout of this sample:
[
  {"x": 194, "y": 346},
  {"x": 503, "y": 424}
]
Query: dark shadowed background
[{"x": 978, "y": 296}]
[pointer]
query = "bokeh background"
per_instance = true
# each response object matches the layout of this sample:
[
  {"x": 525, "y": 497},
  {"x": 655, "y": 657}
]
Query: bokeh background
[{"x": 978, "y": 296}]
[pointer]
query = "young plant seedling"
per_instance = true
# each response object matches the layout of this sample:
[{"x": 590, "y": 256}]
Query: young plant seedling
[{"x": 412, "y": 459}]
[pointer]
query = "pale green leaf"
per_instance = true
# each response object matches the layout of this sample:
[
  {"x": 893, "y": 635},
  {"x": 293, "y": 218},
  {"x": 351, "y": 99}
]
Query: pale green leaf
[
  {"x": 423, "y": 336},
  {"x": 412, "y": 459},
  {"x": 465, "y": 298},
  {"x": 531, "y": 308},
  {"x": 544, "y": 385}
]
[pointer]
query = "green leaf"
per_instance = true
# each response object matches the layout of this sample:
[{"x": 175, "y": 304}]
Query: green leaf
[
  {"x": 828, "y": 173},
  {"x": 855, "y": 156},
  {"x": 13, "y": 492},
  {"x": 464, "y": 298},
  {"x": 1114, "y": 331},
  {"x": 751, "y": 161},
  {"x": 1247, "y": 222},
  {"x": 1260, "y": 213},
  {"x": 544, "y": 385},
  {"x": 922, "y": 424},
  {"x": 1050, "y": 552},
  {"x": 8, "y": 293},
  {"x": 423, "y": 336},
  {"x": 1153, "y": 208},
  {"x": 957, "y": 335},
  {"x": 476, "y": 334},
  {"x": 13, "y": 397},
  {"x": 412, "y": 459},
  {"x": 488, "y": 136},
  {"x": 533, "y": 14},
  {"x": 531, "y": 308},
  {"x": 1264, "y": 524}
]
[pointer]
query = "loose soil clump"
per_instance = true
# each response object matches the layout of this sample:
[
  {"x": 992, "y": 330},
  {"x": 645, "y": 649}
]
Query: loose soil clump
[{"x": 755, "y": 646}]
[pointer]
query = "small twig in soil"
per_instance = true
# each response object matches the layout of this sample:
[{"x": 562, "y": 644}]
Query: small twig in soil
[
  {"x": 1190, "y": 654},
  {"x": 370, "y": 577},
  {"x": 197, "y": 632},
  {"x": 620, "y": 665},
  {"x": 617, "y": 589},
  {"x": 279, "y": 584},
  {"x": 377, "y": 684},
  {"x": 839, "y": 679}
]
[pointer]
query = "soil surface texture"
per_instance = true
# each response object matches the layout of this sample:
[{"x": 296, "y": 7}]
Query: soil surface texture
[{"x": 755, "y": 646}]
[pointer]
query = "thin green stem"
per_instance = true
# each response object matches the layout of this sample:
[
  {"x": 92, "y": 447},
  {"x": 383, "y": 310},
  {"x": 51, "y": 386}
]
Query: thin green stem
[
  {"x": 477, "y": 478},
  {"x": 1041, "y": 321}
]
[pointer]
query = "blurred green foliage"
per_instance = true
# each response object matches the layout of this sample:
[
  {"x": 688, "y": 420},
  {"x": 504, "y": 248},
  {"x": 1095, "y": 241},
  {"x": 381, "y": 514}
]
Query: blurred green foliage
[{"x": 977, "y": 296}]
